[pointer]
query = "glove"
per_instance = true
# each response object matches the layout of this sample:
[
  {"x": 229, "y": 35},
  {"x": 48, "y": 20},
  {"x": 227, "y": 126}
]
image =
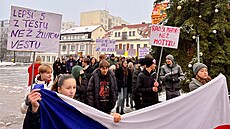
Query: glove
[
  {"x": 168, "y": 78},
  {"x": 175, "y": 79}
]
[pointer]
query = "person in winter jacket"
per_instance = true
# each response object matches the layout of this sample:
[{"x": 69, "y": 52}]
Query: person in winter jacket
[
  {"x": 147, "y": 86},
  {"x": 64, "y": 84},
  {"x": 138, "y": 68},
  {"x": 38, "y": 62},
  {"x": 81, "y": 83},
  {"x": 124, "y": 78},
  {"x": 102, "y": 88},
  {"x": 87, "y": 68},
  {"x": 112, "y": 60},
  {"x": 171, "y": 74},
  {"x": 63, "y": 66},
  {"x": 200, "y": 71},
  {"x": 44, "y": 77},
  {"x": 93, "y": 63},
  {"x": 56, "y": 68},
  {"x": 70, "y": 63}
]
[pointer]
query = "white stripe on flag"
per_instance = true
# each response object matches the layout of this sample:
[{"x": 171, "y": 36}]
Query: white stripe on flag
[{"x": 204, "y": 108}]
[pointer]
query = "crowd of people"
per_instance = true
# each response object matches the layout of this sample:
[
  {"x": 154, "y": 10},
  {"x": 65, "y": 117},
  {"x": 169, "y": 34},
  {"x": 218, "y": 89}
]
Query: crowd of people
[{"x": 103, "y": 83}]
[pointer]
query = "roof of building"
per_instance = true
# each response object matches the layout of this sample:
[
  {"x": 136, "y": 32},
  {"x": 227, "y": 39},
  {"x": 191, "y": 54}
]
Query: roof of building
[
  {"x": 80, "y": 29},
  {"x": 131, "y": 26}
]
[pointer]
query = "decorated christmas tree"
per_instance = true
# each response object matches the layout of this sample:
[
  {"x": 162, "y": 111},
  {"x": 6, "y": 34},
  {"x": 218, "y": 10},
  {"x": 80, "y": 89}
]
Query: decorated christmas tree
[{"x": 210, "y": 21}]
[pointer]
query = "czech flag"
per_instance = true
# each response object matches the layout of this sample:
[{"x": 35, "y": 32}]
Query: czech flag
[{"x": 205, "y": 108}]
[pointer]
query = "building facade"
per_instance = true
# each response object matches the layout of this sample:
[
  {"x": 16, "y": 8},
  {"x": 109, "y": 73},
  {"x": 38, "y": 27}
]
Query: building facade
[
  {"x": 80, "y": 41},
  {"x": 67, "y": 25},
  {"x": 158, "y": 13},
  {"x": 6, "y": 55},
  {"x": 129, "y": 37},
  {"x": 100, "y": 17}
]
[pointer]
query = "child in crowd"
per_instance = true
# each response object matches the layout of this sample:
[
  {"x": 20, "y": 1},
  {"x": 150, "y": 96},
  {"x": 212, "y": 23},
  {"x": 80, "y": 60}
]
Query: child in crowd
[{"x": 43, "y": 77}]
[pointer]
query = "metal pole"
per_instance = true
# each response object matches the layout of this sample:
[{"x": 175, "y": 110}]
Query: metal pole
[
  {"x": 14, "y": 57},
  {"x": 158, "y": 68},
  {"x": 32, "y": 77},
  {"x": 198, "y": 48}
]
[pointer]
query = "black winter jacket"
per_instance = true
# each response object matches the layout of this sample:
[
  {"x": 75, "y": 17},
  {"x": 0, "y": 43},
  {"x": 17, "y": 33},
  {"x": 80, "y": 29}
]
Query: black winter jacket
[
  {"x": 145, "y": 83},
  {"x": 93, "y": 91}
]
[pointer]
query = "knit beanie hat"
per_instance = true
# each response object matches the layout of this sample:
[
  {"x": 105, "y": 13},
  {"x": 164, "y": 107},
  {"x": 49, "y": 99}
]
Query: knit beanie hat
[
  {"x": 197, "y": 67},
  {"x": 170, "y": 57},
  {"x": 149, "y": 60},
  {"x": 142, "y": 61},
  {"x": 76, "y": 71}
]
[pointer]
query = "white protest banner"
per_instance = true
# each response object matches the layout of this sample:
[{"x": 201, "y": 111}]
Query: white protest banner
[
  {"x": 164, "y": 36},
  {"x": 33, "y": 30},
  {"x": 120, "y": 51},
  {"x": 105, "y": 45},
  {"x": 132, "y": 52},
  {"x": 142, "y": 52}
]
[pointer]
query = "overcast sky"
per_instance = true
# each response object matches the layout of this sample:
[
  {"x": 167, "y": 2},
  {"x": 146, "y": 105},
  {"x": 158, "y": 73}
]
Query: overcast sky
[{"x": 132, "y": 11}]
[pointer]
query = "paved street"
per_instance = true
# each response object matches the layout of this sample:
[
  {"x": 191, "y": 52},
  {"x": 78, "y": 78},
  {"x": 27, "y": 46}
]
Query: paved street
[{"x": 13, "y": 82}]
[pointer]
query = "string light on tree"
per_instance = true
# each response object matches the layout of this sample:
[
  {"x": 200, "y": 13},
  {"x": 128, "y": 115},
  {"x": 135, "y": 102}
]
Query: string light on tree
[
  {"x": 214, "y": 31},
  {"x": 179, "y": 7},
  {"x": 193, "y": 37},
  {"x": 200, "y": 16},
  {"x": 197, "y": 0},
  {"x": 216, "y": 10}
]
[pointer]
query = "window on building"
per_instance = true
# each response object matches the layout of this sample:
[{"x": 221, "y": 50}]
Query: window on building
[
  {"x": 116, "y": 47},
  {"x": 120, "y": 46},
  {"x": 48, "y": 59},
  {"x": 138, "y": 46},
  {"x": 43, "y": 58},
  {"x": 119, "y": 34},
  {"x": 127, "y": 46},
  {"x": 133, "y": 33},
  {"x": 145, "y": 45},
  {"x": 64, "y": 48},
  {"x": 53, "y": 58},
  {"x": 101, "y": 20},
  {"x": 72, "y": 47},
  {"x": 130, "y": 33},
  {"x": 115, "y": 34},
  {"x": 131, "y": 46},
  {"x": 124, "y": 47},
  {"x": 82, "y": 47},
  {"x": 124, "y": 35}
]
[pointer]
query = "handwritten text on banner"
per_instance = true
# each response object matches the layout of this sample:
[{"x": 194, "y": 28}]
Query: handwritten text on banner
[
  {"x": 105, "y": 45},
  {"x": 164, "y": 36},
  {"x": 33, "y": 30}
]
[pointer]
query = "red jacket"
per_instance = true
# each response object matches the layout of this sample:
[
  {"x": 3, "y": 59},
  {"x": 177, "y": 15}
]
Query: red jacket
[{"x": 30, "y": 72}]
